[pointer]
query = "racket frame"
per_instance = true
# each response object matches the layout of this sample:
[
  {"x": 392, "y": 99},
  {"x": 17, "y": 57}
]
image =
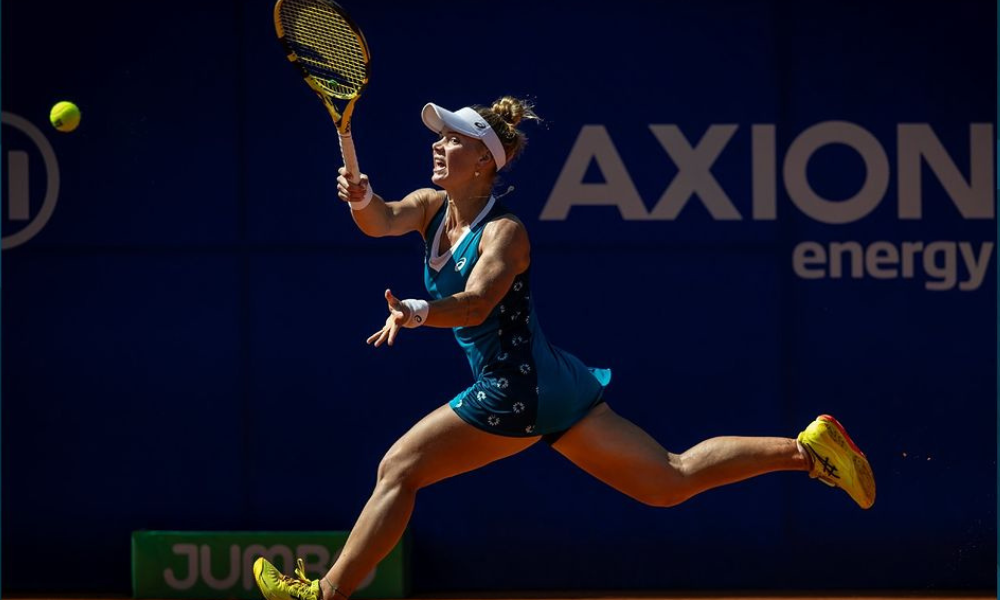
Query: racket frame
[{"x": 341, "y": 117}]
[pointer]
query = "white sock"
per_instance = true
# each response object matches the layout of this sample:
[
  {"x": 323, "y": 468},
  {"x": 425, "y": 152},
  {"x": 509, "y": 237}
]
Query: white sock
[{"x": 805, "y": 454}]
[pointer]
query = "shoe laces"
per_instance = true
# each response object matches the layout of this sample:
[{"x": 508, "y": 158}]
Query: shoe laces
[
  {"x": 298, "y": 585},
  {"x": 829, "y": 469},
  {"x": 300, "y": 570}
]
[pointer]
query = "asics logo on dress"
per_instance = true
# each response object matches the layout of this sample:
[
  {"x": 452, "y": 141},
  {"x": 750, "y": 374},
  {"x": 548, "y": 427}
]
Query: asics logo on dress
[{"x": 460, "y": 264}]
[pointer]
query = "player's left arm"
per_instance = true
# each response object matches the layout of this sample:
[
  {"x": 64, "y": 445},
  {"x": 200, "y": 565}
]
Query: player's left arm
[{"x": 505, "y": 254}]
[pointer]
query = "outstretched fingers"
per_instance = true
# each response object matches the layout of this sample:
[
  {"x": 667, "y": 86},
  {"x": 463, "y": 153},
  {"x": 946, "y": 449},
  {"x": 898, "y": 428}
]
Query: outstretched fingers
[
  {"x": 377, "y": 338},
  {"x": 395, "y": 320}
]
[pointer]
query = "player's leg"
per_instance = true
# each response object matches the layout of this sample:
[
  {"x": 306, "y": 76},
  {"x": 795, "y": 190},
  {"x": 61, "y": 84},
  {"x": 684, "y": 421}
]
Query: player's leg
[
  {"x": 619, "y": 453},
  {"x": 441, "y": 445}
]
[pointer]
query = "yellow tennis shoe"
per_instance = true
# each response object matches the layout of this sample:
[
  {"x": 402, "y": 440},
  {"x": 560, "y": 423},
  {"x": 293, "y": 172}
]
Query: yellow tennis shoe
[
  {"x": 276, "y": 586},
  {"x": 837, "y": 461}
]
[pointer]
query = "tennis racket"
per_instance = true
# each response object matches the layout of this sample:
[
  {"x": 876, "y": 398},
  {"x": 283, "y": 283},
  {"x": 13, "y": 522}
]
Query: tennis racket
[{"x": 330, "y": 52}]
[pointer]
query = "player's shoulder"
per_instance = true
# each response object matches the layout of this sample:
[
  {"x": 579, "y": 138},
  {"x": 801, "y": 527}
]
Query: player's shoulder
[
  {"x": 505, "y": 220},
  {"x": 429, "y": 197},
  {"x": 428, "y": 201},
  {"x": 506, "y": 226}
]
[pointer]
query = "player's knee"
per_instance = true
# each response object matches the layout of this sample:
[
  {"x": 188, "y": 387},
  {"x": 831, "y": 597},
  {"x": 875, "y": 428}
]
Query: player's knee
[
  {"x": 396, "y": 470},
  {"x": 673, "y": 487}
]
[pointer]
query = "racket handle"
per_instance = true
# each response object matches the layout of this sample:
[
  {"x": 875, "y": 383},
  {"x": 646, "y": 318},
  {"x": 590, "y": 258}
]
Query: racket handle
[{"x": 350, "y": 157}]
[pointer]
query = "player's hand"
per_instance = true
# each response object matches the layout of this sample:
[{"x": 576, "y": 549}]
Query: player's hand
[
  {"x": 398, "y": 314},
  {"x": 351, "y": 192}
]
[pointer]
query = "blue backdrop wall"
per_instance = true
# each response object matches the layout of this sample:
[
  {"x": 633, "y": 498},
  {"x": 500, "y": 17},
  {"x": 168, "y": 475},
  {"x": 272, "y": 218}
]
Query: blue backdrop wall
[{"x": 754, "y": 212}]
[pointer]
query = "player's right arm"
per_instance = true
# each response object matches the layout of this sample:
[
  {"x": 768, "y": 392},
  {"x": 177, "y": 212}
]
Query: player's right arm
[{"x": 380, "y": 218}]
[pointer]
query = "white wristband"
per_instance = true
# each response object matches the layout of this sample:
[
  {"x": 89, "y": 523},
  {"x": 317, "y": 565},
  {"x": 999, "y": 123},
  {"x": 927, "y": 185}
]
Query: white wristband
[
  {"x": 363, "y": 203},
  {"x": 418, "y": 312}
]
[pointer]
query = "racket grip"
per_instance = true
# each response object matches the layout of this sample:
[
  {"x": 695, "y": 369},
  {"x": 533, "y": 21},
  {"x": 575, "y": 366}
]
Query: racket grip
[{"x": 350, "y": 157}]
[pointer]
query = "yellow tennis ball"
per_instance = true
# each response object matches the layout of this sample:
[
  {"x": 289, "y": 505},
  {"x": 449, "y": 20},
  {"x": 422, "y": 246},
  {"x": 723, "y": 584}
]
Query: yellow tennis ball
[{"x": 65, "y": 116}]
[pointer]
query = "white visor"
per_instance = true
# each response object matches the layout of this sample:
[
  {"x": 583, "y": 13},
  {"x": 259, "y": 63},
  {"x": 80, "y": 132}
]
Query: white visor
[{"x": 467, "y": 122}]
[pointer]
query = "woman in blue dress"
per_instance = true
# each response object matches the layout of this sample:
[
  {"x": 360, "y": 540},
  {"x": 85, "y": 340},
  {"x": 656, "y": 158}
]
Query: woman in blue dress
[{"x": 477, "y": 274}]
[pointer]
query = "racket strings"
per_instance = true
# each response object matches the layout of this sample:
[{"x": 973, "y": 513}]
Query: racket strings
[{"x": 326, "y": 45}]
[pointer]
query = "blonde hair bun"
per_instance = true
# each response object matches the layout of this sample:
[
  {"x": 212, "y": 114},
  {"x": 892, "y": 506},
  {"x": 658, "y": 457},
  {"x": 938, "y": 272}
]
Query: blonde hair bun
[
  {"x": 513, "y": 110},
  {"x": 503, "y": 117}
]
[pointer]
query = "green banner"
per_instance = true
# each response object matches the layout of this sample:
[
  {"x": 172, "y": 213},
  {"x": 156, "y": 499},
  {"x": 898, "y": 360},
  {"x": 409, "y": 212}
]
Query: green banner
[{"x": 219, "y": 564}]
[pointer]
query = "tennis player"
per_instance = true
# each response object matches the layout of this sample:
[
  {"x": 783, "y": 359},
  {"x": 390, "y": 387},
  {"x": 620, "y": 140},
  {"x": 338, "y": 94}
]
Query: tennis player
[{"x": 477, "y": 274}]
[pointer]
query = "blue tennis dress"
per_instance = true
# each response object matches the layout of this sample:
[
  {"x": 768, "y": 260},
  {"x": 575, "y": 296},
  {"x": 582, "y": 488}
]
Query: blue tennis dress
[{"x": 524, "y": 385}]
